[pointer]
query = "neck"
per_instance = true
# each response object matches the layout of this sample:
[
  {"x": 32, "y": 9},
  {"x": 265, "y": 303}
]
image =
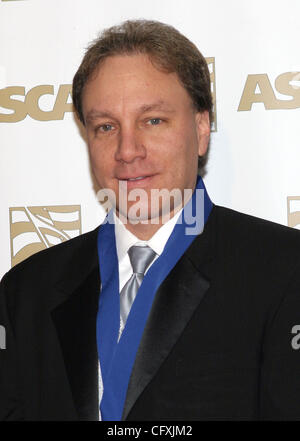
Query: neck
[{"x": 145, "y": 229}]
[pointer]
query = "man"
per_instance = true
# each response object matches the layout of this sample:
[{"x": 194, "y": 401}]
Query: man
[{"x": 207, "y": 329}]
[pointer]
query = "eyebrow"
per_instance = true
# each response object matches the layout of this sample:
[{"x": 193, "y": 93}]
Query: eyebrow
[
  {"x": 159, "y": 105},
  {"x": 94, "y": 114}
]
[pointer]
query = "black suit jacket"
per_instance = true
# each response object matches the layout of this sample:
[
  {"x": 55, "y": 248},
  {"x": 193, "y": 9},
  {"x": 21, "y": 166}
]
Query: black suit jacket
[{"x": 217, "y": 343}]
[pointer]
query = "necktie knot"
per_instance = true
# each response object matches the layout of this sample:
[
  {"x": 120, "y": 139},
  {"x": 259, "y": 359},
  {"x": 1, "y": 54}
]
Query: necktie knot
[{"x": 140, "y": 258}]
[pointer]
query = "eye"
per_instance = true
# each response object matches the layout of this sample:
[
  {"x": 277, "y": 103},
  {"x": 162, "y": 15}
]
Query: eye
[
  {"x": 154, "y": 121},
  {"x": 105, "y": 128}
]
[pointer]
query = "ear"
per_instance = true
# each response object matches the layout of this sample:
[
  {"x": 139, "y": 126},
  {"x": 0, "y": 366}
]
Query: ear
[{"x": 203, "y": 131}]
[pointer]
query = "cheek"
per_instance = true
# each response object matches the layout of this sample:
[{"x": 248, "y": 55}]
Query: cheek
[
  {"x": 165, "y": 146},
  {"x": 100, "y": 160}
]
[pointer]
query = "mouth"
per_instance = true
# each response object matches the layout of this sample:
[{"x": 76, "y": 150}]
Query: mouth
[
  {"x": 133, "y": 181},
  {"x": 136, "y": 179}
]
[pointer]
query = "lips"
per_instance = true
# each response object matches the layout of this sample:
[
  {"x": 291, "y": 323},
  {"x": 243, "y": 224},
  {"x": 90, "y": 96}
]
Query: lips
[
  {"x": 136, "y": 181},
  {"x": 133, "y": 178}
]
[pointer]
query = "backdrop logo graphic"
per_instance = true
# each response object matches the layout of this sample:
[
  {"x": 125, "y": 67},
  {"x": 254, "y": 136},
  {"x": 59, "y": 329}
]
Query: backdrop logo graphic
[
  {"x": 212, "y": 70},
  {"x": 258, "y": 89},
  {"x": 33, "y": 229},
  {"x": 293, "y": 211},
  {"x": 37, "y": 103}
]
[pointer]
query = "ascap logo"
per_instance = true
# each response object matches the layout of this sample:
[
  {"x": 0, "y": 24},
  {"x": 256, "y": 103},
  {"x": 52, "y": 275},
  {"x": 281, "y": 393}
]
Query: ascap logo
[
  {"x": 293, "y": 211},
  {"x": 30, "y": 105},
  {"x": 211, "y": 67},
  {"x": 258, "y": 89},
  {"x": 33, "y": 229},
  {"x": 36, "y": 102}
]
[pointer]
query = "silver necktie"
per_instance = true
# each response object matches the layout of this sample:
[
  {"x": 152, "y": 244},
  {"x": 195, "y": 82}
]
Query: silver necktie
[{"x": 140, "y": 258}]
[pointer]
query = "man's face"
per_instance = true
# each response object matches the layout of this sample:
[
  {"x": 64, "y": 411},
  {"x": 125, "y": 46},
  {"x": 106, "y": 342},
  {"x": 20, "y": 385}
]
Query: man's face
[{"x": 141, "y": 123}]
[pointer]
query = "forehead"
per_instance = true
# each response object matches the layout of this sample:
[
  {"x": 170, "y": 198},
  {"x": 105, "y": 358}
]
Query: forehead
[{"x": 131, "y": 80}]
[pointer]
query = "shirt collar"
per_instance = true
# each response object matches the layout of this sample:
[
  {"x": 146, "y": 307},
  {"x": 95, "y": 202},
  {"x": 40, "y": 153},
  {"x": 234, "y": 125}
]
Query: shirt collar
[{"x": 125, "y": 239}]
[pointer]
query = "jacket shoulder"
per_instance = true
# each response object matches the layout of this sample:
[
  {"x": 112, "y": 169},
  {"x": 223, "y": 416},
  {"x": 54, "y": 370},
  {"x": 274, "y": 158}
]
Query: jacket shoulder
[
  {"x": 242, "y": 222},
  {"x": 55, "y": 258},
  {"x": 258, "y": 240}
]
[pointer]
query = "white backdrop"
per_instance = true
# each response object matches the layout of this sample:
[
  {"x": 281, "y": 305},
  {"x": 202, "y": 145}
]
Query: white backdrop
[{"x": 254, "y": 162}]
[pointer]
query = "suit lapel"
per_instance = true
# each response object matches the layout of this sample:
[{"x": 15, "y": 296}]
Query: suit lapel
[
  {"x": 174, "y": 304},
  {"x": 74, "y": 315}
]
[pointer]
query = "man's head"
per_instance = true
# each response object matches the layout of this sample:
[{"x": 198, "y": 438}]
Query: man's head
[
  {"x": 143, "y": 94},
  {"x": 167, "y": 48}
]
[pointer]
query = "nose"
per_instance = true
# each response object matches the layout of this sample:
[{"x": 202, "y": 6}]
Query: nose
[{"x": 130, "y": 145}]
